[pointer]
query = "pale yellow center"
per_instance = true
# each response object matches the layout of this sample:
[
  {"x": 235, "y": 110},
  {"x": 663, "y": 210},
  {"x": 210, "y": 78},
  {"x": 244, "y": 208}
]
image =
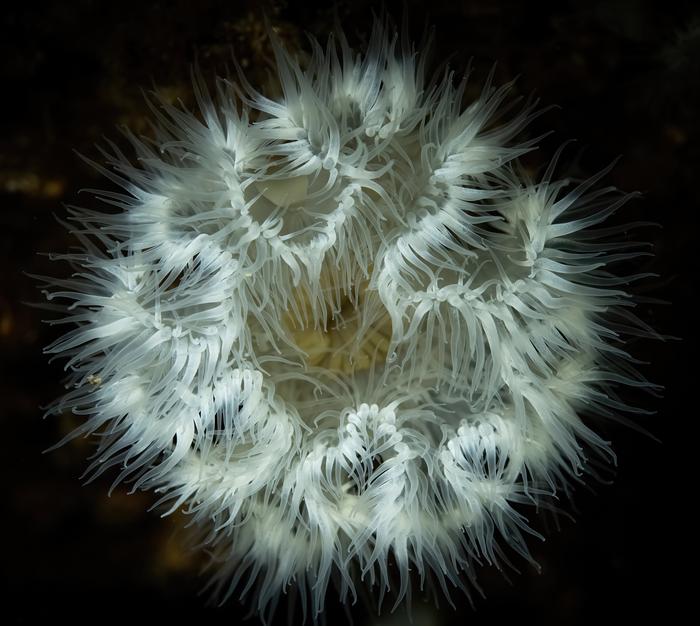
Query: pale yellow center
[{"x": 348, "y": 343}]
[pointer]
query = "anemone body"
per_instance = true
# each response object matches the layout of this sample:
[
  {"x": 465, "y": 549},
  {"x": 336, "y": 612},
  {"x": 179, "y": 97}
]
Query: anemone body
[{"x": 342, "y": 329}]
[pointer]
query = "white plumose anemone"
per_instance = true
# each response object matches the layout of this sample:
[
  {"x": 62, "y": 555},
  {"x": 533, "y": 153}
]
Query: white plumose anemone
[{"x": 343, "y": 329}]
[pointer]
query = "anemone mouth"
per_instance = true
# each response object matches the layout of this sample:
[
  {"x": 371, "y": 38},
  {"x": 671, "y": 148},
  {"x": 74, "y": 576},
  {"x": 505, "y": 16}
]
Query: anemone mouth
[{"x": 350, "y": 335}]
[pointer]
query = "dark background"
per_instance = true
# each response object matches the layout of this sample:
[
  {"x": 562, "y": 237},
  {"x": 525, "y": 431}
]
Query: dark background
[{"x": 626, "y": 76}]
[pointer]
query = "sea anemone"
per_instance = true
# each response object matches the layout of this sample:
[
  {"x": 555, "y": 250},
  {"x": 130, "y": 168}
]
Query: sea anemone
[{"x": 344, "y": 329}]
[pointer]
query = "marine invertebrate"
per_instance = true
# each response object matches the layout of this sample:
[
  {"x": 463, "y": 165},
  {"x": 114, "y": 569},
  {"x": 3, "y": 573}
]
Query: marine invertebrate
[{"x": 344, "y": 327}]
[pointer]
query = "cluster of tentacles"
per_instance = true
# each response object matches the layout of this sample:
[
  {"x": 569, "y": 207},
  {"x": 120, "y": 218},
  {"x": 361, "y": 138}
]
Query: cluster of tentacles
[{"x": 343, "y": 328}]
